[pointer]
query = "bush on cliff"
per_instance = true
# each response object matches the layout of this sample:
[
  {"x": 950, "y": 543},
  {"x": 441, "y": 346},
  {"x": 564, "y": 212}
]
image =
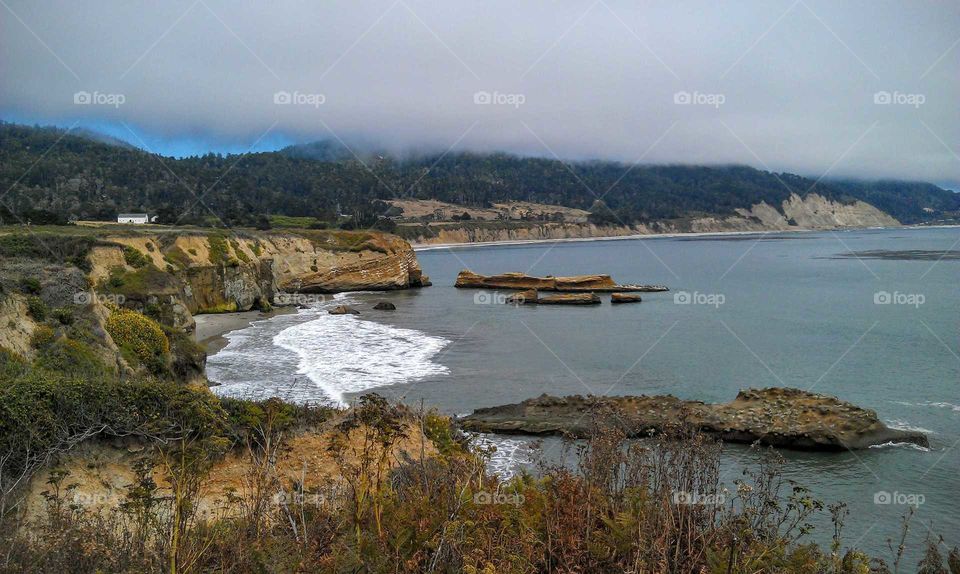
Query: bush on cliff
[
  {"x": 139, "y": 338},
  {"x": 134, "y": 258}
]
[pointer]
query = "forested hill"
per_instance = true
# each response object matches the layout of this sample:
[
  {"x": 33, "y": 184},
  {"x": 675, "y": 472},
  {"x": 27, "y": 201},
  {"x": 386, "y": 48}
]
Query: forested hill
[{"x": 87, "y": 179}]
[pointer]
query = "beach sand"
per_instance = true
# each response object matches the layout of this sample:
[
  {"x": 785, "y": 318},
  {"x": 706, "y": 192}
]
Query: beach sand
[{"x": 212, "y": 328}]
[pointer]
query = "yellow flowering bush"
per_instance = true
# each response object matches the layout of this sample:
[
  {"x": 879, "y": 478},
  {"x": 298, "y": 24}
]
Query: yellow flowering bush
[{"x": 138, "y": 335}]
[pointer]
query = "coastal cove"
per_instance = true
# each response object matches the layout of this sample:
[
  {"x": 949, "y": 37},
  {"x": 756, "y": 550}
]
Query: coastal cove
[{"x": 764, "y": 310}]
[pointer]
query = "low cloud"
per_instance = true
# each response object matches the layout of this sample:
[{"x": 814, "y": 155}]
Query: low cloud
[{"x": 794, "y": 86}]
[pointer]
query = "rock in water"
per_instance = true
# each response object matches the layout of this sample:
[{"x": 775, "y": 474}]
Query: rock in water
[
  {"x": 570, "y": 299},
  {"x": 385, "y": 306},
  {"x": 343, "y": 310},
  {"x": 625, "y": 298},
  {"x": 574, "y": 284},
  {"x": 528, "y": 297},
  {"x": 780, "y": 417}
]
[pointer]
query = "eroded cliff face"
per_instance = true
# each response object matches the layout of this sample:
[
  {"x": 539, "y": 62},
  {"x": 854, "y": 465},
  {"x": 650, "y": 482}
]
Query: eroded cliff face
[
  {"x": 812, "y": 212},
  {"x": 212, "y": 272}
]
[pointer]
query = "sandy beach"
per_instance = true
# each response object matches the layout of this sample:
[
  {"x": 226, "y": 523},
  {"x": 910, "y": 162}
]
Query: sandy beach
[
  {"x": 211, "y": 328},
  {"x": 430, "y": 246}
]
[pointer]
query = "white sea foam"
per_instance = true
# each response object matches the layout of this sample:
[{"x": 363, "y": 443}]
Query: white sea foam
[
  {"x": 939, "y": 405},
  {"x": 510, "y": 455},
  {"x": 901, "y": 445},
  {"x": 905, "y": 426},
  {"x": 342, "y": 354},
  {"x": 317, "y": 357}
]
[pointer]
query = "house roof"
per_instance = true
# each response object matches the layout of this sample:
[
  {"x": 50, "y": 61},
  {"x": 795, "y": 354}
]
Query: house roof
[{"x": 132, "y": 215}]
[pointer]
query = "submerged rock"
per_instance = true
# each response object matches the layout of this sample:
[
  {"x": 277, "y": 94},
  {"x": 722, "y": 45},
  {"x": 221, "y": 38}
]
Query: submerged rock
[
  {"x": 575, "y": 284},
  {"x": 343, "y": 310},
  {"x": 385, "y": 306},
  {"x": 780, "y": 417}
]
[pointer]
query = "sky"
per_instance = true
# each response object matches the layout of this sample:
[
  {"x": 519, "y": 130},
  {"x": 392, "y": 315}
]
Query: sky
[{"x": 866, "y": 89}]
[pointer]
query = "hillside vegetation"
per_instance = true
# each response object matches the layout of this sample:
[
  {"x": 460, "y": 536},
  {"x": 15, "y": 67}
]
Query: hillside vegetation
[{"x": 89, "y": 180}]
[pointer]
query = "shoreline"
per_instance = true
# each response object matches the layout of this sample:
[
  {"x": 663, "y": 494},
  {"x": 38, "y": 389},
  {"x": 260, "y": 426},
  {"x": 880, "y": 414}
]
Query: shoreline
[
  {"x": 212, "y": 328},
  {"x": 435, "y": 246}
]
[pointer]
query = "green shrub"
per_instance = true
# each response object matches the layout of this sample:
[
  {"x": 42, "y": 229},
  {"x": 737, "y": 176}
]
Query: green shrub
[
  {"x": 30, "y": 286},
  {"x": 218, "y": 249},
  {"x": 115, "y": 280},
  {"x": 241, "y": 254},
  {"x": 135, "y": 258},
  {"x": 139, "y": 337},
  {"x": 11, "y": 364},
  {"x": 64, "y": 315},
  {"x": 176, "y": 257},
  {"x": 69, "y": 356},
  {"x": 42, "y": 336},
  {"x": 36, "y": 308}
]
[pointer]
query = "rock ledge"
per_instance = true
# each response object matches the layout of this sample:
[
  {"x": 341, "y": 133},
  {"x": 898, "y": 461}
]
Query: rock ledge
[{"x": 780, "y": 417}]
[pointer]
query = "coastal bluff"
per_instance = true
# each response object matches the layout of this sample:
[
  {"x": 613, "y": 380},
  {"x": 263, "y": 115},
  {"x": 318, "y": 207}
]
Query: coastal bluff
[
  {"x": 191, "y": 272},
  {"x": 467, "y": 279},
  {"x": 778, "y": 417}
]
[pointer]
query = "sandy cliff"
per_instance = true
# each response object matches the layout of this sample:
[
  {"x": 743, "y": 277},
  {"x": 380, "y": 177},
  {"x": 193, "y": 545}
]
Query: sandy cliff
[
  {"x": 214, "y": 272},
  {"x": 812, "y": 212}
]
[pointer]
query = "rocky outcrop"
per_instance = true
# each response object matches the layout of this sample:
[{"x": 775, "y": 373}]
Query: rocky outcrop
[
  {"x": 531, "y": 297},
  {"x": 385, "y": 306},
  {"x": 199, "y": 272},
  {"x": 780, "y": 417},
  {"x": 467, "y": 279}
]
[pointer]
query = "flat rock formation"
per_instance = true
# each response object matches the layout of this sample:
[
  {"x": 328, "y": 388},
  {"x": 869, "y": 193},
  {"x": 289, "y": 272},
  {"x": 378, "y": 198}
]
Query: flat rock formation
[
  {"x": 576, "y": 284},
  {"x": 625, "y": 298},
  {"x": 569, "y": 299},
  {"x": 780, "y": 417},
  {"x": 531, "y": 297}
]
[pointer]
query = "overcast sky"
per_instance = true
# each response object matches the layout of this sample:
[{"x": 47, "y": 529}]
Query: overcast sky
[{"x": 781, "y": 85}]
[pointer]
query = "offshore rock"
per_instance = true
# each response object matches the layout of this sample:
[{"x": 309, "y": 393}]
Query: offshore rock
[
  {"x": 779, "y": 417},
  {"x": 576, "y": 283}
]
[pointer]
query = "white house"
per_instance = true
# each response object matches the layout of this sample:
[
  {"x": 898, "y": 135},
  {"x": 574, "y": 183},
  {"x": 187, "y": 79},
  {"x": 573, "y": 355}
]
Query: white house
[{"x": 137, "y": 218}]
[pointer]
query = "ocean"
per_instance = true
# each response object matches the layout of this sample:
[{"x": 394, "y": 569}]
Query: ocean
[{"x": 870, "y": 316}]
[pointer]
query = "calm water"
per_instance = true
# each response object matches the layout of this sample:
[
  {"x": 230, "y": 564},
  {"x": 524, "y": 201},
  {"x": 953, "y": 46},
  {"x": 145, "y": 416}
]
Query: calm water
[{"x": 776, "y": 310}]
